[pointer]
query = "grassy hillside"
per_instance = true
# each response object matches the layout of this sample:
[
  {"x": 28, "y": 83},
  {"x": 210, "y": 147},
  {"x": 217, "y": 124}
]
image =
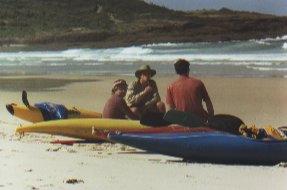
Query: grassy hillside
[{"x": 120, "y": 22}]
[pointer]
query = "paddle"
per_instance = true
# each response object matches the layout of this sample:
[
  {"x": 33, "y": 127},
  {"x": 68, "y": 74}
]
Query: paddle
[
  {"x": 183, "y": 118},
  {"x": 25, "y": 99},
  {"x": 225, "y": 122}
]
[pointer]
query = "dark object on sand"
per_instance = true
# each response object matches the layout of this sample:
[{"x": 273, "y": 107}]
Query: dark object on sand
[
  {"x": 225, "y": 122},
  {"x": 222, "y": 122},
  {"x": 183, "y": 118},
  {"x": 74, "y": 181},
  {"x": 154, "y": 119}
]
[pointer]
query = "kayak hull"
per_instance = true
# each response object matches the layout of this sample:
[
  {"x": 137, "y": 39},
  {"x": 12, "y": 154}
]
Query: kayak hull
[
  {"x": 33, "y": 114},
  {"x": 89, "y": 129},
  {"x": 214, "y": 147},
  {"x": 95, "y": 129}
]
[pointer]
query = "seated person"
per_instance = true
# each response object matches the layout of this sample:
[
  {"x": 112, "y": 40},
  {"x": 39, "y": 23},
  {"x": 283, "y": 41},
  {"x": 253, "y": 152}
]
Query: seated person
[
  {"x": 142, "y": 95},
  {"x": 188, "y": 93},
  {"x": 116, "y": 106}
]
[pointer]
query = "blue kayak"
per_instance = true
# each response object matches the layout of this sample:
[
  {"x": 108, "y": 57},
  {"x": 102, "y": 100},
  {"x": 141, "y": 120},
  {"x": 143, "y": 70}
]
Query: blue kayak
[{"x": 214, "y": 147}]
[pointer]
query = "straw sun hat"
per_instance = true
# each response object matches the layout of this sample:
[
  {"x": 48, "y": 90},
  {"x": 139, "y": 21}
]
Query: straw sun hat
[{"x": 145, "y": 68}]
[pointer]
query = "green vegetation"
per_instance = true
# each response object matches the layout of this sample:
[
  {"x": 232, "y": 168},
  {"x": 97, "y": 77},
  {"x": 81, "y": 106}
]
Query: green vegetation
[{"x": 125, "y": 22}]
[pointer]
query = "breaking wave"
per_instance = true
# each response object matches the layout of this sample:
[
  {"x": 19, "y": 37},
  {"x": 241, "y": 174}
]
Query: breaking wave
[{"x": 252, "y": 57}]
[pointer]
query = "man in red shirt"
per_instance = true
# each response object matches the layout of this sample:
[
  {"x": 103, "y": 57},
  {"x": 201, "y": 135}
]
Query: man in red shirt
[{"x": 187, "y": 93}]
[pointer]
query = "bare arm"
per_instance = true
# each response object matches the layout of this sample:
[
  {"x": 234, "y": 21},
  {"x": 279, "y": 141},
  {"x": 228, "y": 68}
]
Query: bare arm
[
  {"x": 133, "y": 97},
  {"x": 128, "y": 111},
  {"x": 169, "y": 100},
  {"x": 155, "y": 97},
  {"x": 209, "y": 107},
  {"x": 208, "y": 103},
  {"x": 169, "y": 107}
]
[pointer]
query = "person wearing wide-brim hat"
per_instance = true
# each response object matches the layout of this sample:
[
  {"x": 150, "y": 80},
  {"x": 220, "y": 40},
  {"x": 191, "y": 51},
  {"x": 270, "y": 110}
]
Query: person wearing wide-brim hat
[
  {"x": 146, "y": 69},
  {"x": 142, "y": 95}
]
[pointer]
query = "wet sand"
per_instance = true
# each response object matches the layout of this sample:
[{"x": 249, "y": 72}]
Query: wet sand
[{"x": 33, "y": 163}]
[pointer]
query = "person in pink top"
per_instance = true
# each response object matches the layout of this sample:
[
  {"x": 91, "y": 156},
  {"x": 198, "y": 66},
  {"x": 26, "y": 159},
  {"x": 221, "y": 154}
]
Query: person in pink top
[{"x": 188, "y": 93}]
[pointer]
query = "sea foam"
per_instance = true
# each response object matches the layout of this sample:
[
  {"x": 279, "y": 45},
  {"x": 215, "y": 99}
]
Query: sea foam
[{"x": 224, "y": 53}]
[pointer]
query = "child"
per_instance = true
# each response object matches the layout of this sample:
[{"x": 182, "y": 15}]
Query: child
[{"x": 116, "y": 107}]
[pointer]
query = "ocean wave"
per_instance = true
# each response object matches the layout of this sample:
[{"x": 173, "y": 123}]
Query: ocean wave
[
  {"x": 278, "y": 38},
  {"x": 267, "y": 68},
  {"x": 136, "y": 51},
  {"x": 262, "y": 42},
  {"x": 232, "y": 53},
  {"x": 121, "y": 58},
  {"x": 168, "y": 44},
  {"x": 74, "y": 51},
  {"x": 85, "y": 57},
  {"x": 53, "y": 59}
]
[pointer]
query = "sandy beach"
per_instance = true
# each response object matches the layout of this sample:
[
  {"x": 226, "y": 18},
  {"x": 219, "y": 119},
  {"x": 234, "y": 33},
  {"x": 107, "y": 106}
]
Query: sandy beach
[{"x": 32, "y": 162}]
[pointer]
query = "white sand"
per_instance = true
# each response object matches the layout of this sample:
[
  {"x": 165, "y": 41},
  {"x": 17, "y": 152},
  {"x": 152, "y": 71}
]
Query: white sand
[{"x": 33, "y": 163}]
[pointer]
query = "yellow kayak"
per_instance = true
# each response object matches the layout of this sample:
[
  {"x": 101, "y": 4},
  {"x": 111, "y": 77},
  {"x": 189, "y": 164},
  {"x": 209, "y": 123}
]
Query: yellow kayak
[
  {"x": 89, "y": 129},
  {"x": 33, "y": 114}
]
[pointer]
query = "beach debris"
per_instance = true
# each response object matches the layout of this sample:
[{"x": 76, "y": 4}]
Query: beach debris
[
  {"x": 282, "y": 164},
  {"x": 53, "y": 150},
  {"x": 29, "y": 170},
  {"x": 74, "y": 181},
  {"x": 34, "y": 188},
  {"x": 64, "y": 142},
  {"x": 20, "y": 134},
  {"x": 189, "y": 176}
]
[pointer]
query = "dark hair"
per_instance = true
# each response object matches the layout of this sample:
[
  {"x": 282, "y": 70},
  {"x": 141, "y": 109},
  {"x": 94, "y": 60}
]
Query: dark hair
[
  {"x": 181, "y": 66},
  {"x": 120, "y": 83}
]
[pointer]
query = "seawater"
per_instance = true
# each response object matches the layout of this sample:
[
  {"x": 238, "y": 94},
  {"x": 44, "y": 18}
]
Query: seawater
[{"x": 252, "y": 58}]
